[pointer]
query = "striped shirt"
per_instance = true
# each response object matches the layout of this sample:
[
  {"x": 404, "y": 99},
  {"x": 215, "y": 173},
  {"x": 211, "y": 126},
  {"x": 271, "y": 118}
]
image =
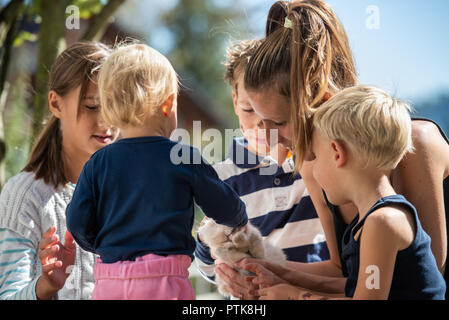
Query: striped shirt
[
  {"x": 17, "y": 259},
  {"x": 28, "y": 207},
  {"x": 277, "y": 203}
]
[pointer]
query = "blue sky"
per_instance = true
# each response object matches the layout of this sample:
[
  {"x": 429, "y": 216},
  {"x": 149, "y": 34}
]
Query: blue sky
[{"x": 408, "y": 55}]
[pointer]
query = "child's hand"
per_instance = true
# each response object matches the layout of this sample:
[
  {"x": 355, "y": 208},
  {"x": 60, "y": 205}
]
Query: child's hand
[
  {"x": 280, "y": 292},
  {"x": 55, "y": 259}
]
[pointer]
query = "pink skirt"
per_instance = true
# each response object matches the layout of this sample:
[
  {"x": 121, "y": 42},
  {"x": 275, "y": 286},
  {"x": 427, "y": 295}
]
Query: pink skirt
[{"x": 150, "y": 277}]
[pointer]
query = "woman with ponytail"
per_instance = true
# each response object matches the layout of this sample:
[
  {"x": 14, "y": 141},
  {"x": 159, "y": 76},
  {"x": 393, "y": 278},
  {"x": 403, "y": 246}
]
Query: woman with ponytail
[
  {"x": 35, "y": 263},
  {"x": 304, "y": 60}
]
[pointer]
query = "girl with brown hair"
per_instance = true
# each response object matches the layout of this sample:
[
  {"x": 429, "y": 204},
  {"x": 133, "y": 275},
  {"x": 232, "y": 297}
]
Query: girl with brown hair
[
  {"x": 34, "y": 264},
  {"x": 304, "y": 60}
]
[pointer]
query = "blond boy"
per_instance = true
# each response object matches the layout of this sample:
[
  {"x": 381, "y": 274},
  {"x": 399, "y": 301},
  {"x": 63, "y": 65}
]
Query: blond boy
[{"x": 358, "y": 137}]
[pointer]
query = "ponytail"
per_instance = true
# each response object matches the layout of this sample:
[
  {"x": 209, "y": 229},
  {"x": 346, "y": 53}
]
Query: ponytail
[
  {"x": 303, "y": 60},
  {"x": 46, "y": 156}
]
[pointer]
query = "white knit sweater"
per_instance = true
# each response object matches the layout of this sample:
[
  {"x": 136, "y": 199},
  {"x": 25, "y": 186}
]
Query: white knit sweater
[{"x": 28, "y": 207}]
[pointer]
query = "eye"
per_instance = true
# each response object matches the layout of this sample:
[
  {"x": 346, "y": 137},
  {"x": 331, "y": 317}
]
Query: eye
[
  {"x": 280, "y": 124},
  {"x": 247, "y": 110}
]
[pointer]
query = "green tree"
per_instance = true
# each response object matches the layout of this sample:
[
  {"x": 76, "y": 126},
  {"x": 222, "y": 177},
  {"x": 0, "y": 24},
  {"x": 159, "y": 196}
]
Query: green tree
[{"x": 201, "y": 30}]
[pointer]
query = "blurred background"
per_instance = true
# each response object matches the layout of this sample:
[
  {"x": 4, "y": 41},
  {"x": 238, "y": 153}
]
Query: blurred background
[{"x": 398, "y": 45}]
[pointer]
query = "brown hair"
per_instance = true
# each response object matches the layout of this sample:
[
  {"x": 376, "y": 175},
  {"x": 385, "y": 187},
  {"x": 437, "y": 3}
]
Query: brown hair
[
  {"x": 74, "y": 67},
  {"x": 305, "y": 55},
  {"x": 238, "y": 55}
]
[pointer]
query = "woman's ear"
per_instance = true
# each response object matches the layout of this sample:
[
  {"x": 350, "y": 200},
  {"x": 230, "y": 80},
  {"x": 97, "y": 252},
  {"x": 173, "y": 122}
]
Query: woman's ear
[
  {"x": 54, "y": 103},
  {"x": 167, "y": 105},
  {"x": 339, "y": 153}
]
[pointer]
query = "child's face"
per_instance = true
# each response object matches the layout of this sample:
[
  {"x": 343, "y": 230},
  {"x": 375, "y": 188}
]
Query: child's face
[
  {"x": 250, "y": 122},
  {"x": 324, "y": 168},
  {"x": 274, "y": 110},
  {"x": 83, "y": 129}
]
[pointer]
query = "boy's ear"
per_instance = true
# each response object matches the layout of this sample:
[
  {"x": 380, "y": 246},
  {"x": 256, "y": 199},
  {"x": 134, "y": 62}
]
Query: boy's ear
[
  {"x": 339, "y": 153},
  {"x": 167, "y": 105},
  {"x": 54, "y": 104}
]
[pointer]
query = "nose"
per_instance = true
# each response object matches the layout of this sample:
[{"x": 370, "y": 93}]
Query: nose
[
  {"x": 101, "y": 123},
  {"x": 271, "y": 134}
]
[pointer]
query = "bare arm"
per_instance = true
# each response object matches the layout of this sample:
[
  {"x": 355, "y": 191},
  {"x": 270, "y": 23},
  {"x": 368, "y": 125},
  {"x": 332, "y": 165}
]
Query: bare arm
[
  {"x": 419, "y": 178},
  {"x": 332, "y": 267},
  {"x": 269, "y": 274}
]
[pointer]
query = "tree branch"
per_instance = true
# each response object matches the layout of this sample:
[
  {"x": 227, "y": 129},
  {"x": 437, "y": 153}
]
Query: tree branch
[
  {"x": 9, "y": 13},
  {"x": 51, "y": 40},
  {"x": 99, "y": 22}
]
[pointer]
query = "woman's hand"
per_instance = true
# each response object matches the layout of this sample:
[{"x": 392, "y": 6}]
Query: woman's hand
[
  {"x": 281, "y": 291},
  {"x": 236, "y": 284},
  {"x": 263, "y": 276},
  {"x": 287, "y": 292},
  {"x": 55, "y": 259}
]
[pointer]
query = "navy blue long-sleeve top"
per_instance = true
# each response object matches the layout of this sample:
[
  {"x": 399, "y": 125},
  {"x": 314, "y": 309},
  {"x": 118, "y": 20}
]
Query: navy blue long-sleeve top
[{"x": 133, "y": 198}]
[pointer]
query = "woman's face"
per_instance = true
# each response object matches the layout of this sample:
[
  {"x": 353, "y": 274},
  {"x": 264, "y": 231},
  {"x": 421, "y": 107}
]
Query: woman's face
[
  {"x": 83, "y": 129},
  {"x": 274, "y": 111}
]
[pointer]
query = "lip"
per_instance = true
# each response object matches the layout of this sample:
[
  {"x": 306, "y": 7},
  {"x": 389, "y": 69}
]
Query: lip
[{"x": 103, "y": 139}]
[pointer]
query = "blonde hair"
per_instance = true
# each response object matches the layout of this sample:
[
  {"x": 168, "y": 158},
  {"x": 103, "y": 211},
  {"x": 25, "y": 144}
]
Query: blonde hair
[
  {"x": 238, "y": 55},
  {"x": 302, "y": 59},
  {"x": 375, "y": 125},
  {"x": 133, "y": 82}
]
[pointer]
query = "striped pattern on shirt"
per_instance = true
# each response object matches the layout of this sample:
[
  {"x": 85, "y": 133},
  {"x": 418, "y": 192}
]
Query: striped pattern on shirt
[
  {"x": 278, "y": 204},
  {"x": 17, "y": 257}
]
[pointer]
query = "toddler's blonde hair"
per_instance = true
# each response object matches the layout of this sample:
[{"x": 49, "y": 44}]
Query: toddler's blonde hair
[
  {"x": 374, "y": 125},
  {"x": 133, "y": 82}
]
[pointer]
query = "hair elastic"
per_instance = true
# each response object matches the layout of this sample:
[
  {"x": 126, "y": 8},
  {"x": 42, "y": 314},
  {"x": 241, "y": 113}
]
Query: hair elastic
[{"x": 288, "y": 23}]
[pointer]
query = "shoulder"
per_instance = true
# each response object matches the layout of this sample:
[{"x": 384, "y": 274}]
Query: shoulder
[
  {"x": 393, "y": 224},
  {"x": 26, "y": 203},
  {"x": 425, "y": 134},
  {"x": 22, "y": 201},
  {"x": 431, "y": 154},
  {"x": 227, "y": 169},
  {"x": 25, "y": 185}
]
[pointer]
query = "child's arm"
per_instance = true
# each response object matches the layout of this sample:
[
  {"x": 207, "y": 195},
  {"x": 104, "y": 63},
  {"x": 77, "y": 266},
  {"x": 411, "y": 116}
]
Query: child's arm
[
  {"x": 269, "y": 274},
  {"x": 217, "y": 200},
  {"x": 81, "y": 211},
  {"x": 385, "y": 232}
]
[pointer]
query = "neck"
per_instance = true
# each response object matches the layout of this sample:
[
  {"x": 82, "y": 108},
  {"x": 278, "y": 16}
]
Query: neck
[
  {"x": 370, "y": 188},
  {"x": 150, "y": 128},
  {"x": 74, "y": 163}
]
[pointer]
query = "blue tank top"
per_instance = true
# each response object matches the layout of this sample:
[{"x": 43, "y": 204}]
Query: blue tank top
[
  {"x": 340, "y": 226},
  {"x": 415, "y": 276}
]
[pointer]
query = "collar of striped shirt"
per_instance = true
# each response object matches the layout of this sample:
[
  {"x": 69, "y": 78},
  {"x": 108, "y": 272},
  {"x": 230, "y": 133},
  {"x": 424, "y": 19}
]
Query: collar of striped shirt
[{"x": 245, "y": 159}]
